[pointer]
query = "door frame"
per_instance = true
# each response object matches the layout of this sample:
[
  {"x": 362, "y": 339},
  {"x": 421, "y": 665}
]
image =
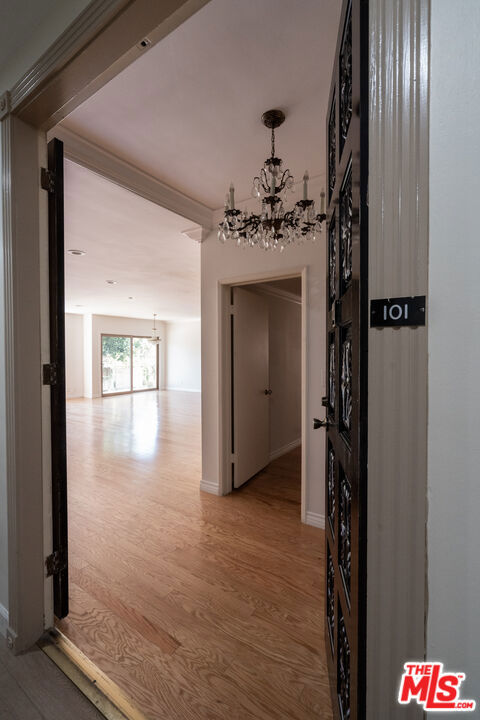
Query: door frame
[{"x": 225, "y": 373}]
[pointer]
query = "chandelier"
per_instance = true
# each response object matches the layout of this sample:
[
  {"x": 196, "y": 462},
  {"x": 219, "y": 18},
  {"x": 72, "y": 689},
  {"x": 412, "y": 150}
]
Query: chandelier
[
  {"x": 274, "y": 228},
  {"x": 155, "y": 339}
]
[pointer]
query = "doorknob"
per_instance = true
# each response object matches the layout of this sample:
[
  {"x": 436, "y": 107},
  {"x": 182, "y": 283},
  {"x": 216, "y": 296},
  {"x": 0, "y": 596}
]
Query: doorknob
[
  {"x": 320, "y": 423},
  {"x": 267, "y": 392}
]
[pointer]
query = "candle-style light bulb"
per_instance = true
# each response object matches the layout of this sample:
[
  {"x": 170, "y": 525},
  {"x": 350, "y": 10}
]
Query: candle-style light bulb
[
  {"x": 305, "y": 185},
  {"x": 232, "y": 196},
  {"x": 322, "y": 202},
  {"x": 272, "y": 185}
]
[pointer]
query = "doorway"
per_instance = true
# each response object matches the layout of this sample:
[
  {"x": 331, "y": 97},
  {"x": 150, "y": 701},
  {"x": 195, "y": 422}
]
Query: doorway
[
  {"x": 266, "y": 380},
  {"x": 266, "y": 419}
]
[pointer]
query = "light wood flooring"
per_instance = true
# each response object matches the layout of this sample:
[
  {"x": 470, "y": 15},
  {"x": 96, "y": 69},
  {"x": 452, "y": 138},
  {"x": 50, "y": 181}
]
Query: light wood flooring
[
  {"x": 197, "y": 606},
  {"x": 33, "y": 688}
]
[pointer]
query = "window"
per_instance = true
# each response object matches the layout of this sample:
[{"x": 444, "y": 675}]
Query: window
[{"x": 129, "y": 364}]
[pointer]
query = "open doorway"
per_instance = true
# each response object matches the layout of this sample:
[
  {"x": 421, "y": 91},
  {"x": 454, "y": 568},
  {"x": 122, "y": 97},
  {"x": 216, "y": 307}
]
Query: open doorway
[
  {"x": 171, "y": 591},
  {"x": 266, "y": 387}
]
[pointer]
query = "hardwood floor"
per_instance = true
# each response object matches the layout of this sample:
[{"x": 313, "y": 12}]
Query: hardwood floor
[{"x": 197, "y": 606}]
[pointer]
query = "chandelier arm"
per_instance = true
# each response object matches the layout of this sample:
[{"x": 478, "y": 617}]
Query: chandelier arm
[
  {"x": 283, "y": 181},
  {"x": 265, "y": 186}
]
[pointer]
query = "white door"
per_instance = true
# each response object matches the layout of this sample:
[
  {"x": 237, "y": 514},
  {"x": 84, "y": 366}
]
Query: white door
[{"x": 251, "y": 415}]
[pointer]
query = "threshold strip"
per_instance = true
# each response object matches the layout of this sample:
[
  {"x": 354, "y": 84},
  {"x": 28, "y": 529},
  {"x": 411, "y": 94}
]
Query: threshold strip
[{"x": 102, "y": 692}]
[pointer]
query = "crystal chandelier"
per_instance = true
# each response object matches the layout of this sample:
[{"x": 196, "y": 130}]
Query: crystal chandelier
[
  {"x": 155, "y": 339},
  {"x": 274, "y": 228}
]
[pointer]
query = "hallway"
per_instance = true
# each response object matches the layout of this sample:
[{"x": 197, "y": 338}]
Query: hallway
[{"x": 197, "y": 606}]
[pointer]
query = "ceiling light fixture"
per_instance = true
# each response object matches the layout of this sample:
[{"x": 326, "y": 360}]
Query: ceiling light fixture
[
  {"x": 76, "y": 252},
  {"x": 155, "y": 339},
  {"x": 111, "y": 282},
  {"x": 274, "y": 228}
]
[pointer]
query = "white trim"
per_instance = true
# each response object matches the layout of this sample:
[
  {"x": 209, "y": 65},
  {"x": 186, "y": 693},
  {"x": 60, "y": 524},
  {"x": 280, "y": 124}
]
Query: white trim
[
  {"x": 3, "y": 620},
  {"x": 285, "y": 449},
  {"x": 266, "y": 289},
  {"x": 315, "y": 519},
  {"x": 104, "y": 163},
  {"x": 197, "y": 233},
  {"x": 210, "y": 487},
  {"x": 183, "y": 389},
  {"x": 398, "y": 235}
]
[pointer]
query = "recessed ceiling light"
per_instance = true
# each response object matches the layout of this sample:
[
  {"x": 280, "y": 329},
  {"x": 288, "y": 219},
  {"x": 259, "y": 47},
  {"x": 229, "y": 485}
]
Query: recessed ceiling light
[
  {"x": 111, "y": 282},
  {"x": 79, "y": 305},
  {"x": 76, "y": 252},
  {"x": 131, "y": 298}
]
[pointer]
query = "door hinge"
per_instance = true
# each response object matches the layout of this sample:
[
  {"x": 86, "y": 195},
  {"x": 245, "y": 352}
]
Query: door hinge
[
  {"x": 47, "y": 180},
  {"x": 56, "y": 562},
  {"x": 50, "y": 374}
]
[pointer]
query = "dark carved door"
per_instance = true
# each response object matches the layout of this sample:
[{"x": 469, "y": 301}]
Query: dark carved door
[
  {"x": 347, "y": 317},
  {"x": 57, "y": 563}
]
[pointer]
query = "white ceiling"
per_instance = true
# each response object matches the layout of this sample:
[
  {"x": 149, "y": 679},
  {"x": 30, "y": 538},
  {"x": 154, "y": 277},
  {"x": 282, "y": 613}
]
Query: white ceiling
[
  {"x": 132, "y": 241},
  {"x": 188, "y": 110},
  {"x": 188, "y": 113}
]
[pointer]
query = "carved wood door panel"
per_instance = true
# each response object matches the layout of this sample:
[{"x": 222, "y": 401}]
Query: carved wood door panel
[{"x": 347, "y": 321}]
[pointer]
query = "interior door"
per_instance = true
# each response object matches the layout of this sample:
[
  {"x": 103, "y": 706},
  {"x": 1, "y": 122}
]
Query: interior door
[
  {"x": 346, "y": 402},
  {"x": 54, "y": 375},
  {"x": 251, "y": 413}
]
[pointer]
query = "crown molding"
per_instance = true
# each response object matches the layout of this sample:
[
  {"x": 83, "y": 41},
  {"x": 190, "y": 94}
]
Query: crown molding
[
  {"x": 94, "y": 18},
  {"x": 266, "y": 289},
  {"x": 93, "y": 157},
  {"x": 197, "y": 233}
]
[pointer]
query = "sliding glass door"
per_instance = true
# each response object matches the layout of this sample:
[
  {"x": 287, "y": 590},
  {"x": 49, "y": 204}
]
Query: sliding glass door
[
  {"x": 145, "y": 355},
  {"x": 129, "y": 364}
]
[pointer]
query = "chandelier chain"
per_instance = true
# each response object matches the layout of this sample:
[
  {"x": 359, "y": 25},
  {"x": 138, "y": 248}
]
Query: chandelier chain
[{"x": 273, "y": 142}]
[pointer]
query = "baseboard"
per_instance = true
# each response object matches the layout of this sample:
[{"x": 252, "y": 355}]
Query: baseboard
[
  {"x": 3, "y": 620},
  {"x": 315, "y": 519},
  {"x": 285, "y": 449},
  {"x": 182, "y": 389},
  {"x": 210, "y": 487}
]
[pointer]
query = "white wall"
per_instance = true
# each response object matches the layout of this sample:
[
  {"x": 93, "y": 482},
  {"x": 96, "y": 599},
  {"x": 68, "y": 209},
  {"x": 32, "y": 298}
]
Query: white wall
[
  {"x": 74, "y": 355},
  {"x": 285, "y": 372},
  {"x": 228, "y": 263},
  {"x": 183, "y": 356},
  {"x": 116, "y": 326},
  {"x": 453, "y": 630}
]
